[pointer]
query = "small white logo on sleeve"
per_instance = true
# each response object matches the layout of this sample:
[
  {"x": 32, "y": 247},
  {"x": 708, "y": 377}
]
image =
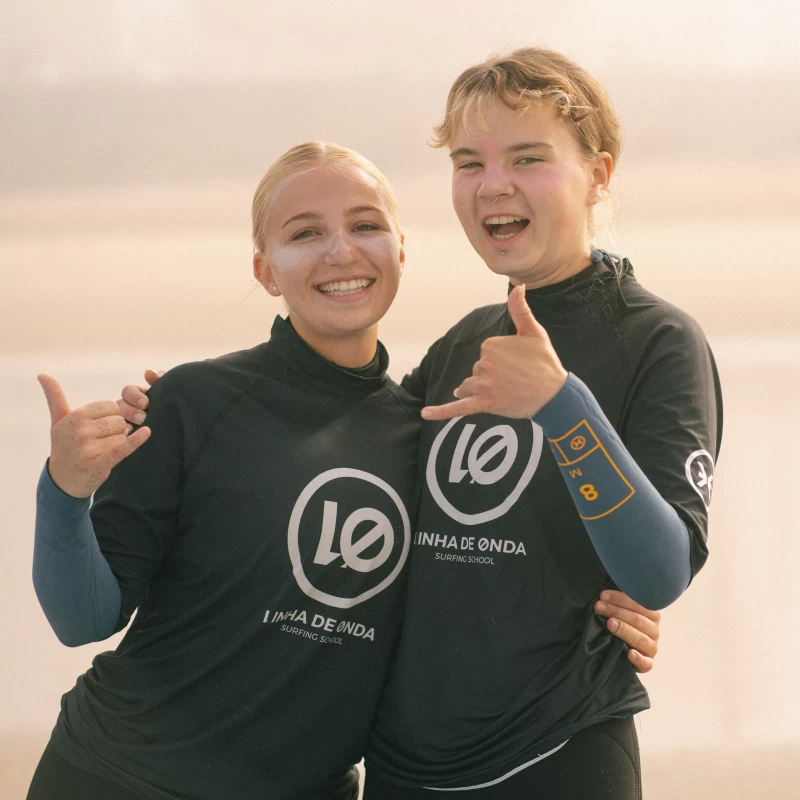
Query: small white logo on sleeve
[{"x": 700, "y": 473}]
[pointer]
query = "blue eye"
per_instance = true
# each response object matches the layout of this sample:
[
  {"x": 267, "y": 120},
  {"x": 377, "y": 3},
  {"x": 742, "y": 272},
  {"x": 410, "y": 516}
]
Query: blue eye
[
  {"x": 469, "y": 165},
  {"x": 366, "y": 226},
  {"x": 304, "y": 234},
  {"x": 525, "y": 160}
]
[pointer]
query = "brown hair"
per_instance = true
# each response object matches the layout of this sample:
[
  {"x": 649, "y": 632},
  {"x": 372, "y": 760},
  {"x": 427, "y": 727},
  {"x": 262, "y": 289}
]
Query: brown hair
[
  {"x": 534, "y": 75},
  {"x": 306, "y": 156}
]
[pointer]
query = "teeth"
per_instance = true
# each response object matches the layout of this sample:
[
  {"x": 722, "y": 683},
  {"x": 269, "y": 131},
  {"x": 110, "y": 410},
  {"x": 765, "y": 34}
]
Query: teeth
[
  {"x": 344, "y": 287},
  {"x": 502, "y": 220}
]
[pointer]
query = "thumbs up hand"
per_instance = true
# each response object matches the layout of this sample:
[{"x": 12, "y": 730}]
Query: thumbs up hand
[
  {"x": 85, "y": 444},
  {"x": 516, "y": 376}
]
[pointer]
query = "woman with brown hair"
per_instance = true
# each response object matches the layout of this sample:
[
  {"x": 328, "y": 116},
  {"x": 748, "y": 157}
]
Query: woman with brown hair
[{"x": 504, "y": 684}]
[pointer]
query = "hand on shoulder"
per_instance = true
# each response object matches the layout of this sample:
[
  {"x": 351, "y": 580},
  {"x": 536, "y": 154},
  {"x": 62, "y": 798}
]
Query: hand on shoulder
[{"x": 133, "y": 402}]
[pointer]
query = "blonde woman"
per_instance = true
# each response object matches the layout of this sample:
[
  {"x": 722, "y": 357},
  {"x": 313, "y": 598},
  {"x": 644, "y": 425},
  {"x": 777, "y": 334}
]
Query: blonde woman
[{"x": 261, "y": 533}]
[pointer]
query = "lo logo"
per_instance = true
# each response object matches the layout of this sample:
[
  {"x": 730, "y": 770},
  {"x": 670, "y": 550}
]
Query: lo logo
[
  {"x": 350, "y": 552},
  {"x": 500, "y": 439},
  {"x": 351, "y": 547},
  {"x": 507, "y": 440}
]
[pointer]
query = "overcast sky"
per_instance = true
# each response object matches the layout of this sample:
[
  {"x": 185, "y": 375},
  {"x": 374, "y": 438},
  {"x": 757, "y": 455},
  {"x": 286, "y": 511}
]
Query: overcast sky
[{"x": 179, "y": 39}]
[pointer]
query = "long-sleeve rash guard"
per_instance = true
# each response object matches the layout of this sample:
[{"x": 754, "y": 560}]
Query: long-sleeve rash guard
[
  {"x": 639, "y": 537},
  {"x": 261, "y": 534},
  {"x": 502, "y": 657},
  {"x": 75, "y": 585}
]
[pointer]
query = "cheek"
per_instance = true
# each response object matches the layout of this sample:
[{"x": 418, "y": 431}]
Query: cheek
[
  {"x": 463, "y": 194},
  {"x": 560, "y": 193},
  {"x": 382, "y": 251},
  {"x": 293, "y": 258}
]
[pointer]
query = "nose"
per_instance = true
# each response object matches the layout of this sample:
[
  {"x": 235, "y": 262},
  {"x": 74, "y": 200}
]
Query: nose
[
  {"x": 340, "y": 251},
  {"x": 494, "y": 185}
]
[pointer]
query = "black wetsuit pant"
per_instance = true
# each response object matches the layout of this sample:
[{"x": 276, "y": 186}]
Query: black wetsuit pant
[
  {"x": 599, "y": 763},
  {"x": 57, "y": 779}
]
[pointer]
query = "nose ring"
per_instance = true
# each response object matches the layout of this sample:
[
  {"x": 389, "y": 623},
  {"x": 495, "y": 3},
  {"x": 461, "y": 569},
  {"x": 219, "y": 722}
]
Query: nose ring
[{"x": 491, "y": 201}]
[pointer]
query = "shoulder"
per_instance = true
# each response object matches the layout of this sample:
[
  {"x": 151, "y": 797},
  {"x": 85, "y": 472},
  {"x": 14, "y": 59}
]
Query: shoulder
[
  {"x": 649, "y": 322},
  {"x": 407, "y": 403},
  {"x": 480, "y": 323},
  {"x": 477, "y": 325},
  {"x": 215, "y": 380}
]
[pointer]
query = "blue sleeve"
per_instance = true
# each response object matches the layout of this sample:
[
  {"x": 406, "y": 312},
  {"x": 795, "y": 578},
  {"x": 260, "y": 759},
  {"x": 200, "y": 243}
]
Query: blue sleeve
[
  {"x": 641, "y": 540},
  {"x": 74, "y": 583}
]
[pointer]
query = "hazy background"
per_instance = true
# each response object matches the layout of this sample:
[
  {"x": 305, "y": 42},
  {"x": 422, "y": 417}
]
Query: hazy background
[{"x": 132, "y": 135}]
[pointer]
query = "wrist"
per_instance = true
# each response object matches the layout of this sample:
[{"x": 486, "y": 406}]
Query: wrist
[
  {"x": 566, "y": 407},
  {"x": 62, "y": 484},
  {"x": 53, "y": 499}
]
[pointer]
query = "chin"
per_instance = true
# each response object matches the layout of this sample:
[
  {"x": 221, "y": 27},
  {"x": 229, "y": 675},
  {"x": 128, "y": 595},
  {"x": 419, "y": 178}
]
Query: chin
[{"x": 500, "y": 265}]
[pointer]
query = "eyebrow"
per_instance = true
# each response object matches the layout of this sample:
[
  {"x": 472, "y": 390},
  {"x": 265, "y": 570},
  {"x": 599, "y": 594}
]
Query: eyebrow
[
  {"x": 514, "y": 148},
  {"x": 313, "y": 215},
  {"x": 304, "y": 215},
  {"x": 362, "y": 209}
]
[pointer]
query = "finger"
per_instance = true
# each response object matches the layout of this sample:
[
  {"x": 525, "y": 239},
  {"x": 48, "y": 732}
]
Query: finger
[
  {"x": 640, "y": 663},
  {"x": 152, "y": 375},
  {"x": 131, "y": 413},
  {"x": 56, "y": 399},
  {"x": 126, "y": 446},
  {"x": 468, "y": 388},
  {"x": 521, "y": 313},
  {"x": 460, "y": 408},
  {"x": 107, "y": 426},
  {"x": 99, "y": 409},
  {"x": 620, "y": 599},
  {"x": 136, "y": 396},
  {"x": 632, "y": 618},
  {"x": 633, "y": 637}
]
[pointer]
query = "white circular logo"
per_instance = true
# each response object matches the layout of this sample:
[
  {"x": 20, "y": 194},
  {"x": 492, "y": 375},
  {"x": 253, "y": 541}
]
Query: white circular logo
[
  {"x": 351, "y": 549},
  {"x": 700, "y": 473},
  {"x": 500, "y": 439}
]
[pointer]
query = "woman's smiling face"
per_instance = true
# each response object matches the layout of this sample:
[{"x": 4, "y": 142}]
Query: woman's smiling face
[
  {"x": 523, "y": 189},
  {"x": 334, "y": 253}
]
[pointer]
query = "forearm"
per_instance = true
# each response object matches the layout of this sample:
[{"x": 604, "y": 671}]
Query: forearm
[
  {"x": 74, "y": 583},
  {"x": 639, "y": 537}
]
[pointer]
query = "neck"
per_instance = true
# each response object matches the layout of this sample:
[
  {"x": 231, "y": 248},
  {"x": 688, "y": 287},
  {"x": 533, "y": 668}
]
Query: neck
[
  {"x": 555, "y": 272},
  {"x": 353, "y": 350}
]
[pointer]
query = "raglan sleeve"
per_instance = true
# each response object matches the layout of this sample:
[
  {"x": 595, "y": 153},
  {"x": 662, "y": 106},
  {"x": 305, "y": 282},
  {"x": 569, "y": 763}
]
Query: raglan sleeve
[
  {"x": 643, "y": 491},
  {"x": 673, "y": 425},
  {"x": 135, "y": 513}
]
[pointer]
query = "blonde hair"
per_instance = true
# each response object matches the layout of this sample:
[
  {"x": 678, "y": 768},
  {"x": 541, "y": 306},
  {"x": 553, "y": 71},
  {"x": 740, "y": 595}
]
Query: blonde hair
[
  {"x": 306, "y": 156},
  {"x": 534, "y": 75}
]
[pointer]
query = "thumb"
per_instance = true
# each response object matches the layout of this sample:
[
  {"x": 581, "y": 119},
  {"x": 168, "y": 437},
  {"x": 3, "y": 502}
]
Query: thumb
[
  {"x": 520, "y": 312},
  {"x": 56, "y": 399}
]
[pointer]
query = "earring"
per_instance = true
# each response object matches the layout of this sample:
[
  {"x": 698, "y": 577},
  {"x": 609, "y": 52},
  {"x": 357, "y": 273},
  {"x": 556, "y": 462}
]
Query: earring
[{"x": 273, "y": 288}]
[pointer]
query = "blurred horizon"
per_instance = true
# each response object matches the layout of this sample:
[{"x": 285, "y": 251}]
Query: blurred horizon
[{"x": 133, "y": 135}]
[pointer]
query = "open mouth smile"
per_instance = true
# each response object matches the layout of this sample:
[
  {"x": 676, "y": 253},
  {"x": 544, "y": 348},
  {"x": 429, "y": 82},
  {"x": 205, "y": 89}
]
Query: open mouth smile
[
  {"x": 344, "y": 288},
  {"x": 505, "y": 226}
]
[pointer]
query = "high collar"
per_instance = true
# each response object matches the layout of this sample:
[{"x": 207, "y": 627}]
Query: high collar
[
  {"x": 590, "y": 285},
  {"x": 307, "y": 362}
]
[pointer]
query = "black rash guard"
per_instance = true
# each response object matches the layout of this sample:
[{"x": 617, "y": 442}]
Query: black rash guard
[
  {"x": 263, "y": 533},
  {"x": 501, "y": 657}
]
